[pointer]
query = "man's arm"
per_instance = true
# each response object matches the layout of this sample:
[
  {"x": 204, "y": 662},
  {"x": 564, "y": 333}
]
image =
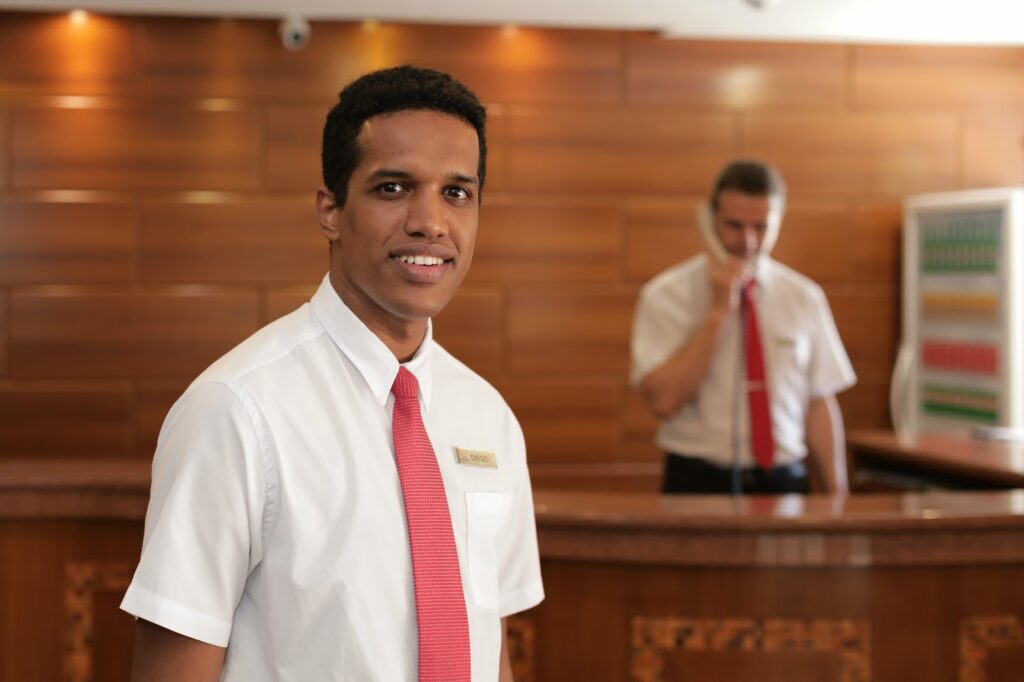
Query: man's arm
[
  {"x": 505, "y": 672},
  {"x": 676, "y": 380},
  {"x": 165, "y": 656},
  {"x": 826, "y": 442}
]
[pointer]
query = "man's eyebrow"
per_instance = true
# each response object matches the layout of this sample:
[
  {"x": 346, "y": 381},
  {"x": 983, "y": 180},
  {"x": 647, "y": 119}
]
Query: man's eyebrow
[
  {"x": 466, "y": 179},
  {"x": 389, "y": 173}
]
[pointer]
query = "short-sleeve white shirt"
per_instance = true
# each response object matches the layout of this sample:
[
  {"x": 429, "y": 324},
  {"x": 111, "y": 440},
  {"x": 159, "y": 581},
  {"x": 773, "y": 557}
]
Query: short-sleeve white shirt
[
  {"x": 276, "y": 525},
  {"x": 804, "y": 359}
]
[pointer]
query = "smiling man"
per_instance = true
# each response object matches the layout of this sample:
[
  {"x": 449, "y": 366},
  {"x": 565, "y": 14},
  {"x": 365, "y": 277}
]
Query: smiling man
[
  {"x": 738, "y": 356},
  {"x": 338, "y": 498}
]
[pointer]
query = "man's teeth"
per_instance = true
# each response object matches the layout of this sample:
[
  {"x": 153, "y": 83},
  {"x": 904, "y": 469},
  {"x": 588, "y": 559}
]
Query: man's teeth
[{"x": 421, "y": 260}]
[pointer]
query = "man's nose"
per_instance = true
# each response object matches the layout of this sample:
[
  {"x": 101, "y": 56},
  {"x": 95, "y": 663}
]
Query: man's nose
[{"x": 426, "y": 216}]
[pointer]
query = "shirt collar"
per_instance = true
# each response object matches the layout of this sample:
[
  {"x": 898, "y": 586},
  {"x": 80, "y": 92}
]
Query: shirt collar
[{"x": 371, "y": 357}]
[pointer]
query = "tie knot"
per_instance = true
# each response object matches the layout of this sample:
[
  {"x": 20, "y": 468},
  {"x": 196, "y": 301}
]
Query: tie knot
[
  {"x": 405, "y": 385},
  {"x": 748, "y": 288}
]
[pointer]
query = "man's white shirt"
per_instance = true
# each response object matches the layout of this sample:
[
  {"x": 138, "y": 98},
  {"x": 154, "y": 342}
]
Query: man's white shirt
[
  {"x": 276, "y": 525},
  {"x": 804, "y": 359}
]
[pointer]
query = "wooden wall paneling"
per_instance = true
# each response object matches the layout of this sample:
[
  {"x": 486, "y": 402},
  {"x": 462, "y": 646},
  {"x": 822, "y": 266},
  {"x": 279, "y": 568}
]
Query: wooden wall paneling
[
  {"x": 5, "y": 333},
  {"x": 733, "y": 75},
  {"x": 5, "y": 146},
  {"x": 153, "y": 400},
  {"x": 497, "y": 152},
  {"x": 245, "y": 58},
  {"x": 868, "y": 324},
  {"x": 520, "y": 65},
  {"x": 616, "y": 152},
  {"x": 570, "y": 330},
  {"x": 993, "y": 150},
  {"x": 64, "y": 421},
  {"x": 876, "y": 246},
  {"x": 659, "y": 234},
  {"x": 48, "y": 53},
  {"x": 640, "y": 426},
  {"x": 815, "y": 239},
  {"x": 73, "y": 334},
  {"x": 937, "y": 78},
  {"x": 47, "y": 242},
  {"x": 293, "y": 146},
  {"x": 471, "y": 328},
  {"x": 233, "y": 241},
  {"x": 279, "y": 301},
  {"x": 567, "y": 419},
  {"x": 135, "y": 148},
  {"x": 856, "y": 153},
  {"x": 521, "y": 241}
]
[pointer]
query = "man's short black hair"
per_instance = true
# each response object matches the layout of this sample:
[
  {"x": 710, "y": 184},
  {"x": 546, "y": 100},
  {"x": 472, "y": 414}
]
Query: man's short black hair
[
  {"x": 401, "y": 88},
  {"x": 750, "y": 177}
]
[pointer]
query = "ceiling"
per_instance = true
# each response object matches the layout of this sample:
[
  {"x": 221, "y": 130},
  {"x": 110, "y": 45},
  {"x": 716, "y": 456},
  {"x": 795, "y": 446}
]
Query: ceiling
[{"x": 981, "y": 22}]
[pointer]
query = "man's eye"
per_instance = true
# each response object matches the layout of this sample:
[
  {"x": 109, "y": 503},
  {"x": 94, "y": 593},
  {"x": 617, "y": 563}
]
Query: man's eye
[
  {"x": 457, "y": 192},
  {"x": 390, "y": 188}
]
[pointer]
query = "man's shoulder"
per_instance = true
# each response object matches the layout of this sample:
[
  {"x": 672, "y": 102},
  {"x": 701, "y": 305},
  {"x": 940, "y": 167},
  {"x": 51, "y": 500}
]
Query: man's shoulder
[
  {"x": 276, "y": 341},
  {"x": 794, "y": 285},
  {"x": 462, "y": 381},
  {"x": 677, "y": 283}
]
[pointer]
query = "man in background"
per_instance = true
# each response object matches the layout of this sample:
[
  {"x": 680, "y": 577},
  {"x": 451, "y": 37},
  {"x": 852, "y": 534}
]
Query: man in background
[
  {"x": 738, "y": 355},
  {"x": 338, "y": 498}
]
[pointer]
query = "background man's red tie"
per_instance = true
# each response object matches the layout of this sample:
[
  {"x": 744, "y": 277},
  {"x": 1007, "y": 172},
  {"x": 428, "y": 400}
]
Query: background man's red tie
[
  {"x": 440, "y": 603},
  {"x": 761, "y": 440}
]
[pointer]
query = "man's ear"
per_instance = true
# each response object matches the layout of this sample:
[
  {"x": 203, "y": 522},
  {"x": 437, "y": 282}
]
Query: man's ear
[{"x": 327, "y": 211}]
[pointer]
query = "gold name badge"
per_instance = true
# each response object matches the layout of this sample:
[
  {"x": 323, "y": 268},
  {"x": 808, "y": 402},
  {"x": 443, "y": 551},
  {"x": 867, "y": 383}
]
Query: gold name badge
[{"x": 476, "y": 458}]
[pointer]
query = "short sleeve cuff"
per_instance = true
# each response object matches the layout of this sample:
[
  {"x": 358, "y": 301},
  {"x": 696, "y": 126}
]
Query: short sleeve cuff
[
  {"x": 175, "y": 617},
  {"x": 521, "y": 599}
]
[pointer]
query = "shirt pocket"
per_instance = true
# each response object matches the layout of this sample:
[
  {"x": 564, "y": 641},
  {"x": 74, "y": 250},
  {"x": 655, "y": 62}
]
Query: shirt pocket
[{"x": 486, "y": 515}]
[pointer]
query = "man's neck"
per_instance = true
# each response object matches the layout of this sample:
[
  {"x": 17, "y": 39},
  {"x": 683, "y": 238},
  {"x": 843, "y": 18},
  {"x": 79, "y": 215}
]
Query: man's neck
[{"x": 402, "y": 337}]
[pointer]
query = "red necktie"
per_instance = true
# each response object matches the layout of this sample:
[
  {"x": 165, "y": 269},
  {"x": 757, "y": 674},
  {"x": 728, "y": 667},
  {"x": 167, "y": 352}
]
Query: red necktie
[
  {"x": 440, "y": 602},
  {"x": 761, "y": 440}
]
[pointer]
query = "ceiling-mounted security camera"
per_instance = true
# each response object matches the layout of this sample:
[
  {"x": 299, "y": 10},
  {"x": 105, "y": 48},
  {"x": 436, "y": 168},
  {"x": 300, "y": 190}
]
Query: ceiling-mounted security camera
[{"x": 295, "y": 32}]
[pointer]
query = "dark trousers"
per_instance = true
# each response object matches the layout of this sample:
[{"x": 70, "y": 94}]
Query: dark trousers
[{"x": 692, "y": 475}]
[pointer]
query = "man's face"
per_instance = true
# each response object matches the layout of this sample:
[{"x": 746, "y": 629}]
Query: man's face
[
  {"x": 403, "y": 241},
  {"x": 741, "y": 222}
]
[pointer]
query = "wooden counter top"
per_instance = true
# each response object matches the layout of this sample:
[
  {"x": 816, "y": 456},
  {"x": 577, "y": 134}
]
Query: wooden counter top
[{"x": 995, "y": 462}]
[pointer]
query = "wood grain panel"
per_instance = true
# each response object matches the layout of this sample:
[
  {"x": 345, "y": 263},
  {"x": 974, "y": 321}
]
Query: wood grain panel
[
  {"x": 815, "y": 239},
  {"x": 866, "y": 405},
  {"x": 293, "y": 148},
  {"x": 531, "y": 243},
  {"x": 854, "y": 153},
  {"x": 283, "y": 300},
  {"x": 868, "y": 324},
  {"x": 938, "y": 77},
  {"x": 236, "y": 241},
  {"x": 570, "y": 331},
  {"x": 57, "y": 243},
  {"x": 48, "y": 53},
  {"x": 523, "y": 65},
  {"x": 246, "y": 59},
  {"x": 616, "y": 152},
  {"x": 733, "y": 75},
  {"x": 5, "y": 333},
  {"x": 471, "y": 328},
  {"x": 135, "y": 148},
  {"x": 61, "y": 421},
  {"x": 130, "y": 334},
  {"x": 659, "y": 234},
  {"x": 567, "y": 419},
  {"x": 5, "y": 136},
  {"x": 876, "y": 246},
  {"x": 152, "y": 402},
  {"x": 640, "y": 426},
  {"x": 993, "y": 151}
]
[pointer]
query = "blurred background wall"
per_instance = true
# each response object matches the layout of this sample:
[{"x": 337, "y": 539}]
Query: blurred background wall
[{"x": 156, "y": 204}]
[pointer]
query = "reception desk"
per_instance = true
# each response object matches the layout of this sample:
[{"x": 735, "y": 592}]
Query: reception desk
[{"x": 639, "y": 587}]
